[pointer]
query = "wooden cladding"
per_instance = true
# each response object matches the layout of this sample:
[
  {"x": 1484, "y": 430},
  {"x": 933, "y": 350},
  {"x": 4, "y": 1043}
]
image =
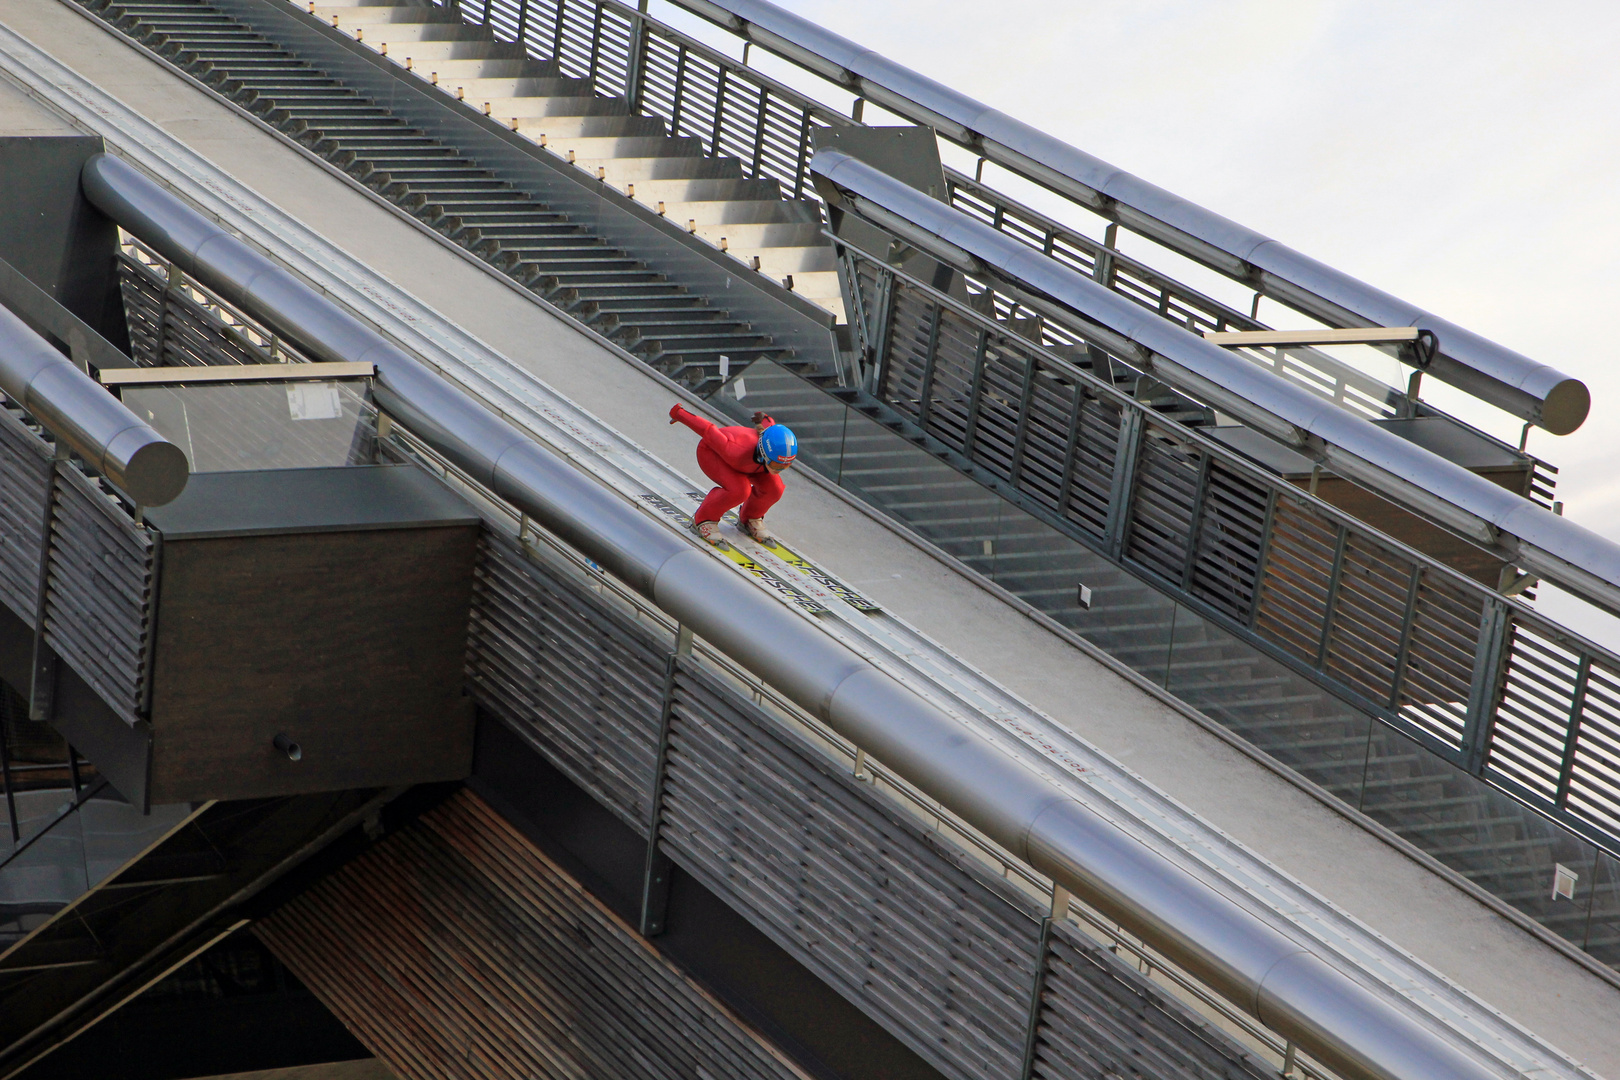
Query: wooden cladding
[{"x": 455, "y": 949}]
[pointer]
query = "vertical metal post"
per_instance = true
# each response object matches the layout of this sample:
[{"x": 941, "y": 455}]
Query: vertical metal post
[
  {"x": 804, "y": 155},
  {"x": 5, "y": 773},
  {"x": 596, "y": 49},
  {"x": 886, "y": 300},
  {"x": 1494, "y": 626},
  {"x": 657, "y": 869},
  {"x": 759, "y": 130},
  {"x": 1196, "y": 521},
  {"x": 678, "y": 93},
  {"x": 635, "y": 67},
  {"x": 1071, "y": 450},
  {"x": 1015, "y": 465},
  {"x": 1103, "y": 269},
  {"x": 1335, "y": 576},
  {"x": 42, "y": 672},
  {"x": 1403, "y": 654},
  {"x": 1263, "y": 557},
  {"x": 1043, "y": 945},
  {"x": 929, "y": 360},
  {"x": 970, "y": 431},
  {"x": 719, "y": 111},
  {"x": 557, "y": 34},
  {"x": 1127, "y": 453},
  {"x": 523, "y": 25},
  {"x": 1572, "y": 734}
]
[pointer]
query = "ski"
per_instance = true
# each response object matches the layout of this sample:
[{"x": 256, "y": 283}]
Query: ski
[
  {"x": 806, "y": 567},
  {"x": 725, "y": 548}
]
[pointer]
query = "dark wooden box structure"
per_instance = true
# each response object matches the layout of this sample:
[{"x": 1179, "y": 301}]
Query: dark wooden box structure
[{"x": 325, "y": 605}]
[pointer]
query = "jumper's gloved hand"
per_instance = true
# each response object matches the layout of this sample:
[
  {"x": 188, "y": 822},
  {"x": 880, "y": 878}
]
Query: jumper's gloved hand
[
  {"x": 759, "y": 419},
  {"x": 675, "y": 412}
]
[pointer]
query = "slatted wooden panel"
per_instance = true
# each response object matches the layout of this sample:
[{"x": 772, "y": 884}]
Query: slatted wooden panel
[
  {"x": 1294, "y": 591},
  {"x": 581, "y": 683},
  {"x": 25, "y": 477},
  {"x": 456, "y": 950},
  {"x": 1440, "y": 667},
  {"x": 1102, "y": 1020},
  {"x": 1367, "y": 618},
  {"x": 907, "y": 928},
  {"x": 1592, "y": 788},
  {"x": 99, "y": 600}
]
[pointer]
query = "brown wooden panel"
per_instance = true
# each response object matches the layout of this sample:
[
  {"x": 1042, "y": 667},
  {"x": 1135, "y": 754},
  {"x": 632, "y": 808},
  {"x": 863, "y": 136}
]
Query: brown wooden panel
[
  {"x": 1412, "y": 530},
  {"x": 456, "y": 949},
  {"x": 351, "y": 643}
]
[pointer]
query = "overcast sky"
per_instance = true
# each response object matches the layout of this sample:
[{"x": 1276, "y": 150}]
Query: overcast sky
[{"x": 1462, "y": 154}]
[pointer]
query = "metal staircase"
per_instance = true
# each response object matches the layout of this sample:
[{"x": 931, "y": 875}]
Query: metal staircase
[
  {"x": 607, "y": 288},
  {"x": 1486, "y": 836}
]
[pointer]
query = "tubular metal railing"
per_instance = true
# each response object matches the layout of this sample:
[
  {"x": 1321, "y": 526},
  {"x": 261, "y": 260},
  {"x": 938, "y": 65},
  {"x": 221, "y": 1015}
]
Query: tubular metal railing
[
  {"x": 1479, "y": 679},
  {"x": 200, "y": 313},
  {"x": 741, "y": 112}
]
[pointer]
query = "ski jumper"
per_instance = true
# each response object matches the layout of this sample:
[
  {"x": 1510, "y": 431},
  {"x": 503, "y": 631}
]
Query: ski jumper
[{"x": 726, "y": 456}]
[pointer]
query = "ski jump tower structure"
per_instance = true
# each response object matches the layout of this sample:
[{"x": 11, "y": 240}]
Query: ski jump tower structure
[{"x": 366, "y": 698}]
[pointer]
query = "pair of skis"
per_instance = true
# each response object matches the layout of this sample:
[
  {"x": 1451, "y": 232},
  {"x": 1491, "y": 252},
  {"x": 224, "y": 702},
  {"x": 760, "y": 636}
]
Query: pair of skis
[{"x": 781, "y": 551}]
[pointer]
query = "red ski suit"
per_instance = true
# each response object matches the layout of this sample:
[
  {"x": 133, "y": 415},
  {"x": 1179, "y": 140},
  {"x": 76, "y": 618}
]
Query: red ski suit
[{"x": 726, "y": 456}]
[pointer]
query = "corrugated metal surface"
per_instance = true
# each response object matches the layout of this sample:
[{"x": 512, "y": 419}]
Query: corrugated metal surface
[
  {"x": 25, "y": 476},
  {"x": 580, "y": 682},
  {"x": 930, "y": 946},
  {"x": 1102, "y": 1020},
  {"x": 98, "y": 608},
  {"x": 455, "y": 949}
]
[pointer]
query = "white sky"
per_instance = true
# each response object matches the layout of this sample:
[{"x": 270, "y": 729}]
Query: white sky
[{"x": 1461, "y": 154}]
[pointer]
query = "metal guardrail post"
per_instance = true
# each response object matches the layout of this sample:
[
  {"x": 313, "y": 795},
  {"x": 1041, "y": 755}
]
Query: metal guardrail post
[
  {"x": 1572, "y": 735},
  {"x": 1484, "y": 687},
  {"x": 1015, "y": 467},
  {"x": 1403, "y": 654},
  {"x": 657, "y": 869},
  {"x": 1331, "y": 604},
  {"x": 925, "y": 390},
  {"x": 883, "y": 308},
  {"x": 1127, "y": 452},
  {"x": 5, "y": 781},
  {"x": 42, "y": 667},
  {"x": 635, "y": 76},
  {"x": 1043, "y": 943},
  {"x": 1195, "y": 521}
]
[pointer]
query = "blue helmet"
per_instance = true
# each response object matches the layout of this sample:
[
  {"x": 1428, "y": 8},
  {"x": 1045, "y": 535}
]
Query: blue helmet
[{"x": 777, "y": 446}]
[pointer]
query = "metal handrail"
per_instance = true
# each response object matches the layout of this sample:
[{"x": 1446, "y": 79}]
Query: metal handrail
[
  {"x": 1483, "y": 705},
  {"x": 1515, "y": 383},
  {"x": 739, "y": 111}
]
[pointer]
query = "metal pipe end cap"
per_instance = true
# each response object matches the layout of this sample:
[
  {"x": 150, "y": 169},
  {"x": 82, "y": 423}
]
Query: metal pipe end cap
[
  {"x": 1566, "y": 406},
  {"x": 156, "y": 474}
]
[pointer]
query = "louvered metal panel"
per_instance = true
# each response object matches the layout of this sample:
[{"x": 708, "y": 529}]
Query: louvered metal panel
[
  {"x": 579, "y": 682},
  {"x": 1167, "y": 486},
  {"x": 25, "y": 479},
  {"x": 911, "y": 931},
  {"x": 98, "y": 606},
  {"x": 1101, "y": 1019},
  {"x": 456, "y": 949}
]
